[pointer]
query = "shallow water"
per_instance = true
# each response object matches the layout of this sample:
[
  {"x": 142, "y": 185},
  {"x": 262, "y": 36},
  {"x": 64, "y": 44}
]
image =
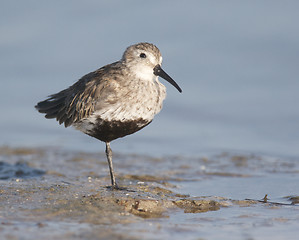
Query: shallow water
[
  {"x": 232, "y": 134},
  {"x": 51, "y": 193},
  {"x": 236, "y": 63}
]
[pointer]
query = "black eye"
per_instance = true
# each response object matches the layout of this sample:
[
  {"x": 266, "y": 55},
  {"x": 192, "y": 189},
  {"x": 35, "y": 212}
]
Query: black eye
[{"x": 142, "y": 55}]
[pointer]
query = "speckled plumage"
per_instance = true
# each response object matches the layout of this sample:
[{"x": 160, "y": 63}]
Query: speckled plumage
[{"x": 115, "y": 100}]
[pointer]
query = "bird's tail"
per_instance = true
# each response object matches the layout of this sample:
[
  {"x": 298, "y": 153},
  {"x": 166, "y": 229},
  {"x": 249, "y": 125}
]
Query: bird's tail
[{"x": 55, "y": 107}]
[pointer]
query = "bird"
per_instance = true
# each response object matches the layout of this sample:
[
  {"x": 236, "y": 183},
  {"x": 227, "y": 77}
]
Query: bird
[{"x": 115, "y": 100}]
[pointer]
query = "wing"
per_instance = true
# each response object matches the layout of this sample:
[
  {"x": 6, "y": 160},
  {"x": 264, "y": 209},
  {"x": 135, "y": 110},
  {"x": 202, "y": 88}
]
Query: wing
[{"x": 79, "y": 100}]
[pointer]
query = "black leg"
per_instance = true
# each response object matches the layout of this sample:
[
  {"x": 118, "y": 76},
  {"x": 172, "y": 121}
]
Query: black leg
[{"x": 109, "y": 158}]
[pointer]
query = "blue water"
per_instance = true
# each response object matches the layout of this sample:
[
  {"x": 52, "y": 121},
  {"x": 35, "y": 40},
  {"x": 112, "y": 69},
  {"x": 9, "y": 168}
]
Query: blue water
[{"x": 236, "y": 61}]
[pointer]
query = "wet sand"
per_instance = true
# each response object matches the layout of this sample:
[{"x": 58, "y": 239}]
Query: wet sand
[{"x": 54, "y": 194}]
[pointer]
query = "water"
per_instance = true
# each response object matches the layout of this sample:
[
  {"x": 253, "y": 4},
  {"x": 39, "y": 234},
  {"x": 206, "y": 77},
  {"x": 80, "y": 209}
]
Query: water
[
  {"x": 237, "y": 63},
  {"x": 58, "y": 193}
]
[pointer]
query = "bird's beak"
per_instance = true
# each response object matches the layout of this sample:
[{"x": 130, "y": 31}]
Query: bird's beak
[{"x": 158, "y": 71}]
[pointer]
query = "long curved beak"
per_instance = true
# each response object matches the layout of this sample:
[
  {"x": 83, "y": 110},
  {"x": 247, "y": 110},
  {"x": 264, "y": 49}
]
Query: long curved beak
[{"x": 158, "y": 71}]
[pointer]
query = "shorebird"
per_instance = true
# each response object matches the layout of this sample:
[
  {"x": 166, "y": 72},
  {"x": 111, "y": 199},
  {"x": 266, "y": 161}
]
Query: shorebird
[{"x": 115, "y": 100}]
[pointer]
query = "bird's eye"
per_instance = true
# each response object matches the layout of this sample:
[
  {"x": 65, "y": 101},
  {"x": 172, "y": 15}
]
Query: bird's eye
[{"x": 142, "y": 55}]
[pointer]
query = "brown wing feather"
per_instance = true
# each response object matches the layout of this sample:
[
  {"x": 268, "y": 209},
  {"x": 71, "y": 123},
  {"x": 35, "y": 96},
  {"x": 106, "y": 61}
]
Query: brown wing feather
[{"x": 78, "y": 101}]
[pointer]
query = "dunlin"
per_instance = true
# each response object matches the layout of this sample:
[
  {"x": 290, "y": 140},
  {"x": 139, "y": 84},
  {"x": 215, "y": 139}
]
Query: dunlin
[{"x": 115, "y": 100}]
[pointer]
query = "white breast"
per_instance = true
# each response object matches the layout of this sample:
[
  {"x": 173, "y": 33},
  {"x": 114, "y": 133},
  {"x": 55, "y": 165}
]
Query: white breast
[{"x": 144, "y": 101}]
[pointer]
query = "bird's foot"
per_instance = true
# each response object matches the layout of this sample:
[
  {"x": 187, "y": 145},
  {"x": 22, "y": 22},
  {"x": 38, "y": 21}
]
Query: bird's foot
[{"x": 115, "y": 187}]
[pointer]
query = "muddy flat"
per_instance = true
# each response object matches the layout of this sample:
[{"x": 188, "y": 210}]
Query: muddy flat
[{"x": 55, "y": 194}]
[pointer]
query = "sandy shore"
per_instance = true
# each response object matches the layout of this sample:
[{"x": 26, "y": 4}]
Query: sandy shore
[{"x": 51, "y": 194}]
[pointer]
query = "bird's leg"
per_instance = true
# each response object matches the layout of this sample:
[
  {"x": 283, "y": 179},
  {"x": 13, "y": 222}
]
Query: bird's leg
[{"x": 109, "y": 158}]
